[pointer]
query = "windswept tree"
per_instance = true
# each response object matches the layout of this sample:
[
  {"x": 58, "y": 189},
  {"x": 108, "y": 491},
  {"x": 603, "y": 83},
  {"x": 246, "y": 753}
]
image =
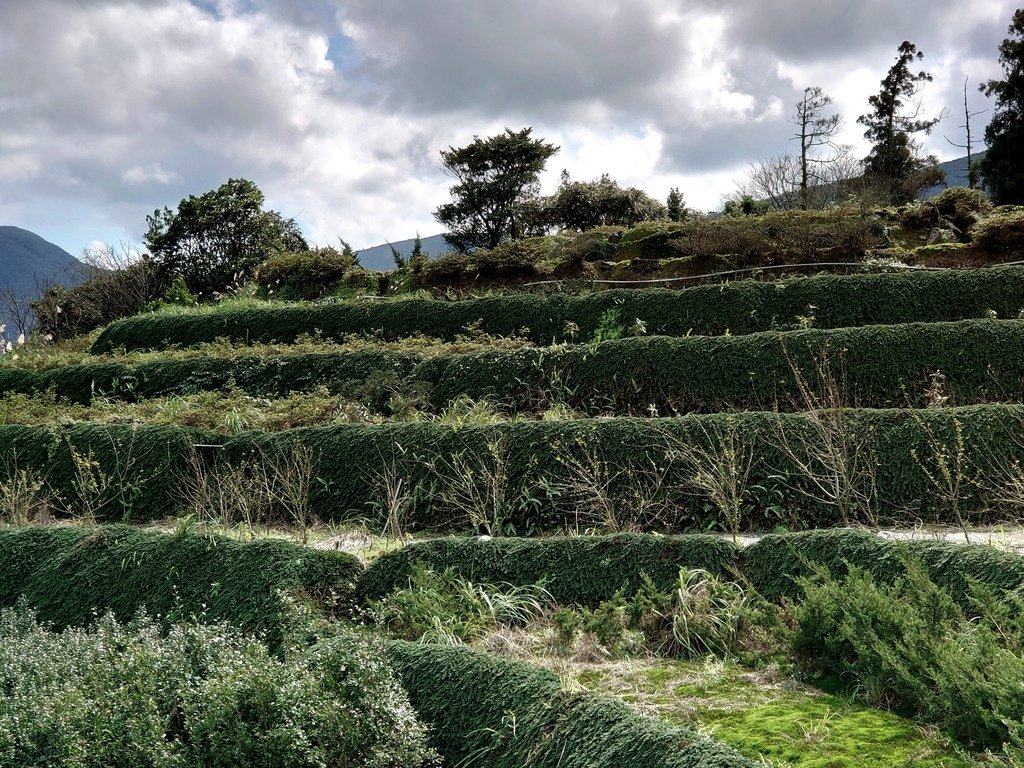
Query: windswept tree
[
  {"x": 494, "y": 177},
  {"x": 218, "y": 238},
  {"x": 1003, "y": 164},
  {"x": 820, "y": 154},
  {"x": 895, "y": 163}
]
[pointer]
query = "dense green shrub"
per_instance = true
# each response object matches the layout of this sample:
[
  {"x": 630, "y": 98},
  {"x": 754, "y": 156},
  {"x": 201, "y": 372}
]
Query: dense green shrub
[
  {"x": 775, "y": 564},
  {"x": 1003, "y": 232},
  {"x": 908, "y": 645},
  {"x": 611, "y": 563},
  {"x": 741, "y": 307},
  {"x": 117, "y": 695},
  {"x": 487, "y": 711},
  {"x": 304, "y": 274},
  {"x": 962, "y": 206},
  {"x": 68, "y": 573}
]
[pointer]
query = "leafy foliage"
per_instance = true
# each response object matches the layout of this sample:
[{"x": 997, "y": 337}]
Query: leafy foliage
[
  {"x": 1001, "y": 166},
  {"x": 581, "y": 205},
  {"x": 217, "y": 239},
  {"x": 493, "y": 176},
  {"x": 893, "y": 160},
  {"x": 119, "y": 695}
]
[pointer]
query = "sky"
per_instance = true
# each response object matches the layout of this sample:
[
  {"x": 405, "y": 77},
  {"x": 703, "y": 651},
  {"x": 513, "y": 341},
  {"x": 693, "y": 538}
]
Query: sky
[{"x": 338, "y": 109}]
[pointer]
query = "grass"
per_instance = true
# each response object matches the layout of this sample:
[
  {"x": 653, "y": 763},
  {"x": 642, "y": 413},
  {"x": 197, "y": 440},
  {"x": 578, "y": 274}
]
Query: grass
[{"x": 764, "y": 714}]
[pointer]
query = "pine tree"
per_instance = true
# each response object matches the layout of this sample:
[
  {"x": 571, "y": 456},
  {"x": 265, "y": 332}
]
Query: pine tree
[{"x": 1003, "y": 165}]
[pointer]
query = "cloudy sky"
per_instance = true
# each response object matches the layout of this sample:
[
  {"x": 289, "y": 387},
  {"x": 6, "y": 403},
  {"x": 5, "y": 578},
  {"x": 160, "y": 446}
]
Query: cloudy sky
[{"x": 337, "y": 109}]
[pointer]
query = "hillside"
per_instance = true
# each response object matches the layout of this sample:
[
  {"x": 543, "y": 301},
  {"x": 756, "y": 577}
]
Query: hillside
[
  {"x": 28, "y": 262},
  {"x": 379, "y": 257}
]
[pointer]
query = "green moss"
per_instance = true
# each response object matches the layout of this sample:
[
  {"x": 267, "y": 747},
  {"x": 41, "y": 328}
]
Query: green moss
[{"x": 766, "y": 715}]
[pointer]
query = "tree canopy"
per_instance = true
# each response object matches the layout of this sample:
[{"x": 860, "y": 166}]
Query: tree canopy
[
  {"x": 894, "y": 162},
  {"x": 218, "y": 238},
  {"x": 1003, "y": 165},
  {"x": 583, "y": 205},
  {"x": 494, "y": 178}
]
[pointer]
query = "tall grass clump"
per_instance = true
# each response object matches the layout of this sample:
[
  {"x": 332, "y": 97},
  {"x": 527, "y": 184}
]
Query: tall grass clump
[{"x": 125, "y": 694}]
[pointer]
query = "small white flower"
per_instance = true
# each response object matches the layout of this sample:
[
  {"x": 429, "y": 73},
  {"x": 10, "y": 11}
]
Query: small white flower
[
  {"x": 4, "y": 327},
  {"x": 21, "y": 339},
  {"x": 48, "y": 337},
  {"x": 8, "y": 347},
  {"x": 59, "y": 310}
]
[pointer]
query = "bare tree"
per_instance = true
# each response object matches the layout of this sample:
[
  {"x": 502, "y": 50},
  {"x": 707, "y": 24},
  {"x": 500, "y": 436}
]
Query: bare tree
[
  {"x": 816, "y": 132},
  {"x": 972, "y": 172}
]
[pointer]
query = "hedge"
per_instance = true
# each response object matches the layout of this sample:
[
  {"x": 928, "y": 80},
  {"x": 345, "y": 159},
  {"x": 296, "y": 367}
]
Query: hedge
[
  {"x": 773, "y": 564},
  {"x": 741, "y": 307},
  {"x": 872, "y": 366},
  {"x": 633, "y": 463},
  {"x": 488, "y": 711},
  {"x": 260, "y": 376},
  {"x": 584, "y": 570},
  {"x": 124, "y": 473},
  {"x": 70, "y": 573}
]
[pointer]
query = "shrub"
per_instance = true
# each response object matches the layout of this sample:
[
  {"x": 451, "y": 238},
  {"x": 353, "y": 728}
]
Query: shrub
[
  {"x": 127, "y": 695},
  {"x": 908, "y": 645},
  {"x": 305, "y": 274},
  {"x": 105, "y": 296},
  {"x": 1002, "y": 232},
  {"x": 776, "y": 564},
  {"x": 962, "y": 206}
]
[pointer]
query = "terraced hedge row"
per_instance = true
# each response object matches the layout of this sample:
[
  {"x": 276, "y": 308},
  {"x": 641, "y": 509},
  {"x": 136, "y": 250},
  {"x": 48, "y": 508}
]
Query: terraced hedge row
[
  {"x": 529, "y": 477},
  {"x": 68, "y": 573},
  {"x": 494, "y": 712},
  {"x": 581, "y": 570},
  {"x": 875, "y": 366},
  {"x": 587, "y": 570},
  {"x": 741, "y": 307}
]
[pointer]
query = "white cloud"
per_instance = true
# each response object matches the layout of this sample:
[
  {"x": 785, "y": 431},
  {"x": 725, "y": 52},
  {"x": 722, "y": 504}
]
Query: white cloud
[{"x": 124, "y": 106}]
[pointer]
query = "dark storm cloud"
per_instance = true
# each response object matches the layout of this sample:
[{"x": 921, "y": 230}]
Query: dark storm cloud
[{"x": 494, "y": 56}]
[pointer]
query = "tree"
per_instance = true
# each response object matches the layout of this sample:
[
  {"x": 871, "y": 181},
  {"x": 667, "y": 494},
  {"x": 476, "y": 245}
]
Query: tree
[
  {"x": 894, "y": 162},
  {"x": 219, "y": 238},
  {"x": 816, "y": 131},
  {"x": 583, "y": 205},
  {"x": 972, "y": 165},
  {"x": 1003, "y": 164},
  {"x": 494, "y": 176},
  {"x": 675, "y": 206}
]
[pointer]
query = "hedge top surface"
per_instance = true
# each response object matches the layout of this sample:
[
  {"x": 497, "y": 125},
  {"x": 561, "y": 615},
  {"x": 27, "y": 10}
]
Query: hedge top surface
[
  {"x": 68, "y": 574},
  {"x": 738, "y": 308},
  {"x": 581, "y": 569}
]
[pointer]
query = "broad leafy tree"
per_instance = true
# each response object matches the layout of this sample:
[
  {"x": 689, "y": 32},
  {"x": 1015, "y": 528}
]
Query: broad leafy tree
[
  {"x": 494, "y": 177},
  {"x": 217, "y": 239},
  {"x": 894, "y": 162},
  {"x": 1003, "y": 164}
]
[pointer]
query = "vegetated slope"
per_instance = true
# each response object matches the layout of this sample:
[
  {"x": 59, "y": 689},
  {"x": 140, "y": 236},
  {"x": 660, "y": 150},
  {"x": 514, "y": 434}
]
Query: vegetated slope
[
  {"x": 962, "y": 362},
  {"x": 747, "y": 306},
  {"x": 27, "y": 261}
]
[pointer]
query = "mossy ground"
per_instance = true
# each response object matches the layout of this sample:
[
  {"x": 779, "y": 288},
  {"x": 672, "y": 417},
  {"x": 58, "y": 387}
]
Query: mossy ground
[{"x": 768, "y": 715}]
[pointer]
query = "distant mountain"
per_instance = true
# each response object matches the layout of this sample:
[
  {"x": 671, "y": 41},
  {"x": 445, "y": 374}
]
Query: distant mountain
[
  {"x": 956, "y": 176},
  {"x": 28, "y": 262},
  {"x": 379, "y": 256},
  {"x": 27, "y": 259}
]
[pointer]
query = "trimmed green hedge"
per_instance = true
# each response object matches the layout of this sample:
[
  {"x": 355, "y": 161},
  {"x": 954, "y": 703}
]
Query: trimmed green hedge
[
  {"x": 124, "y": 473},
  {"x": 545, "y": 472},
  {"x": 741, "y": 307},
  {"x": 70, "y": 573},
  {"x": 872, "y": 366},
  {"x": 584, "y": 570},
  {"x": 773, "y": 563},
  {"x": 488, "y": 711},
  {"x": 263, "y": 376}
]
